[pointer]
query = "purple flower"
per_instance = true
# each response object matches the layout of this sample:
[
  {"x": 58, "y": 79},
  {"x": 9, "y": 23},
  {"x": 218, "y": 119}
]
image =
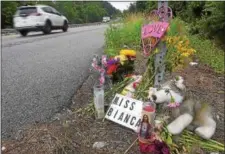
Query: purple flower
[{"x": 112, "y": 61}]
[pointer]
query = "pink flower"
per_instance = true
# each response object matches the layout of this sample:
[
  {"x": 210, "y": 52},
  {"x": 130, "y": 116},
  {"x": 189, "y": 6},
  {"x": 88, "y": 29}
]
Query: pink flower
[{"x": 173, "y": 105}]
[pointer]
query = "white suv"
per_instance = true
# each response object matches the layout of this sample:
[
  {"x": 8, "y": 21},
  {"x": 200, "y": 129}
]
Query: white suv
[{"x": 38, "y": 18}]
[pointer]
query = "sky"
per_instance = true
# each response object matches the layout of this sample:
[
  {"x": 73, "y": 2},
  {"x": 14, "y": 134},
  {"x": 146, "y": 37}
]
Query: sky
[{"x": 121, "y": 5}]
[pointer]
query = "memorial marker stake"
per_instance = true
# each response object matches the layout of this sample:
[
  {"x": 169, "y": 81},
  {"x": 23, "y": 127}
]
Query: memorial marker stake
[{"x": 159, "y": 57}]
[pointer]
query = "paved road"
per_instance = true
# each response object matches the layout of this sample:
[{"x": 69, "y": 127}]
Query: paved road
[{"x": 40, "y": 73}]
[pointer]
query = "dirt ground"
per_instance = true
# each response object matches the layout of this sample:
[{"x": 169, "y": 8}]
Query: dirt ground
[{"x": 74, "y": 133}]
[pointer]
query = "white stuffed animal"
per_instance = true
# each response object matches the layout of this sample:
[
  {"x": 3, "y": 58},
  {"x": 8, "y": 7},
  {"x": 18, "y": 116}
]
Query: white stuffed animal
[{"x": 189, "y": 114}]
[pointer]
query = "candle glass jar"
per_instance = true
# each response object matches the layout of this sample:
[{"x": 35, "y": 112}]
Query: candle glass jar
[
  {"x": 149, "y": 108},
  {"x": 99, "y": 100}
]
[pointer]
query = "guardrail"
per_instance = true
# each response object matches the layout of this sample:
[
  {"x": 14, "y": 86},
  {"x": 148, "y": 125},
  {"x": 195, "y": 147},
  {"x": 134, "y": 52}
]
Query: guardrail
[{"x": 13, "y": 31}]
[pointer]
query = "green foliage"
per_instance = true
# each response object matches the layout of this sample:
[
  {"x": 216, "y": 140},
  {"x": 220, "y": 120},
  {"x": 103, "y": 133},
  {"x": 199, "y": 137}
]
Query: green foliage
[
  {"x": 213, "y": 24},
  {"x": 129, "y": 34},
  {"x": 8, "y": 10},
  {"x": 205, "y": 17},
  {"x": 208, "y": 52},
  {"x": 76, "y": 11},
  {"x": 94, "y": 13},
  {"x": 126, "y": 34},
  {"x": 201, "y": 21}
]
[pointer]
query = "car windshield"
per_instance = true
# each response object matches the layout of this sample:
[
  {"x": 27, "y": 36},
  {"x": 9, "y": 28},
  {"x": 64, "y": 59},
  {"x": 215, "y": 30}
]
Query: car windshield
[{"x": 27, "y": 10}]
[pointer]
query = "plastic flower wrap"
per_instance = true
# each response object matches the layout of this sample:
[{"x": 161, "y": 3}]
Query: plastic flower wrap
[{"x": 130, "y": 89}]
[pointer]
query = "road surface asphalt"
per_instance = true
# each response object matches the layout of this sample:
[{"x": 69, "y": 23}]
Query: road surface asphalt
[{"x": 40, "y": 73}]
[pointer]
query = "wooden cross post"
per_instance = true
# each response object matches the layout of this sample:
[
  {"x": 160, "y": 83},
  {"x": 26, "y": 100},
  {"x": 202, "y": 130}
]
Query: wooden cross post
[{"x": 159, "y": 62}]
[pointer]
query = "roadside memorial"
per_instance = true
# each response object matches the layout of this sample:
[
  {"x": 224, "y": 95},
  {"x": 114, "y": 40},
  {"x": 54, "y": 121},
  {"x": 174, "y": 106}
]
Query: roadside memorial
[
  {"x": 161, "y": 39},
  {"x": 114, "y": 68}
]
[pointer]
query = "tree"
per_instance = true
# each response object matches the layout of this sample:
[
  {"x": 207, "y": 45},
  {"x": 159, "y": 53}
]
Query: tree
[
  {"x": 132, "y": 8},
  {"x": 76, "y": 11},
  {"x": 8, "y": 10},
  {"x": 141, "y": 6},
  {"x": 94, "y": 13}
]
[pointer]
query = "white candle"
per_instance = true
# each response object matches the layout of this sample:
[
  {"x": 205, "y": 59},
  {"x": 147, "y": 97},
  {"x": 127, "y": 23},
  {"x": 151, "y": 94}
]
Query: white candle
[{"x": 99, "y": 101}]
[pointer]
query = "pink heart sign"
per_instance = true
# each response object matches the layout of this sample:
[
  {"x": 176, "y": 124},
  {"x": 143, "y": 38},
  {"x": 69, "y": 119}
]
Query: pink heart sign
[{"x": 156, "y": 29}]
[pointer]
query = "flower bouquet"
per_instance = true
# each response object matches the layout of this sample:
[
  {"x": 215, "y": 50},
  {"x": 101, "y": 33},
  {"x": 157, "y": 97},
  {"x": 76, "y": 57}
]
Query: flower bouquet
[{"x": 116, "y": 68}]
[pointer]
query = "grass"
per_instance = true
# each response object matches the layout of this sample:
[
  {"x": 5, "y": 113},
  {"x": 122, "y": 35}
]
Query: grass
[
  {"x": 129, "y": 34},
  {"x": 208, "y": 53}
]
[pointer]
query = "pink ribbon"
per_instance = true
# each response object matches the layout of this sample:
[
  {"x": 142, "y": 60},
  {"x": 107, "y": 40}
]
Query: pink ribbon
[
  {"x": 102, "y": 78},
  {"x": 104, "y": 60},
  {"x": 100, "y": 69}
]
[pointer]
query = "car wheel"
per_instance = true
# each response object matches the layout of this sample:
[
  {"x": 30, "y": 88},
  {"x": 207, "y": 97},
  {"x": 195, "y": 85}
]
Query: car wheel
[
  {"x": 65, "y": 27},
  {"x": 23, "y": 32},
  {"x": 47, "y": 27}
]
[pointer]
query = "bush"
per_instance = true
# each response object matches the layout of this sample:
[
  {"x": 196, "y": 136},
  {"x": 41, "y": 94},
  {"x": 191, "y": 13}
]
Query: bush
[{"x": 208, "y": 53}]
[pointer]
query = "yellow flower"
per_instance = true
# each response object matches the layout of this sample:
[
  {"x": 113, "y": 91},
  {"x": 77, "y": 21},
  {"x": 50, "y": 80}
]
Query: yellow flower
[
  {"x": 122, "y": 58},
  {"x": 189, "y": 51},
  {"x": 179, "y": 46},
  {"x": 156, "y": 50},
  {"x": 185, "y": 54},
  {"x": 180, "y": 42},
  {"x": 182, "y": 50},
  {"x": 128, "y": 53},
  {"x": 193, "y": 50},
  {"x": 170, "y": 40}
]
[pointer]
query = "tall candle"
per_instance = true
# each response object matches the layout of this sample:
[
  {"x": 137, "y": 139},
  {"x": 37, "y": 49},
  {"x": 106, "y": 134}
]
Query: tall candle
[
  {"x": 99, "y": 101},
  {"x": 149, "y": 110}
]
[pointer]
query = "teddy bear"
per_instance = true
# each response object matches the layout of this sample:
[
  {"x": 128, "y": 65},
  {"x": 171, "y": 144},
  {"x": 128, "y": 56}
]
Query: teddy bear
[{"x": 187, "y": 112}]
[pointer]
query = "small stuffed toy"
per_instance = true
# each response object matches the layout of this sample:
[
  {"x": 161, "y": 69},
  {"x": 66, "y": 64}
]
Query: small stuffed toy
[{"x": 190, "y": 113}]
